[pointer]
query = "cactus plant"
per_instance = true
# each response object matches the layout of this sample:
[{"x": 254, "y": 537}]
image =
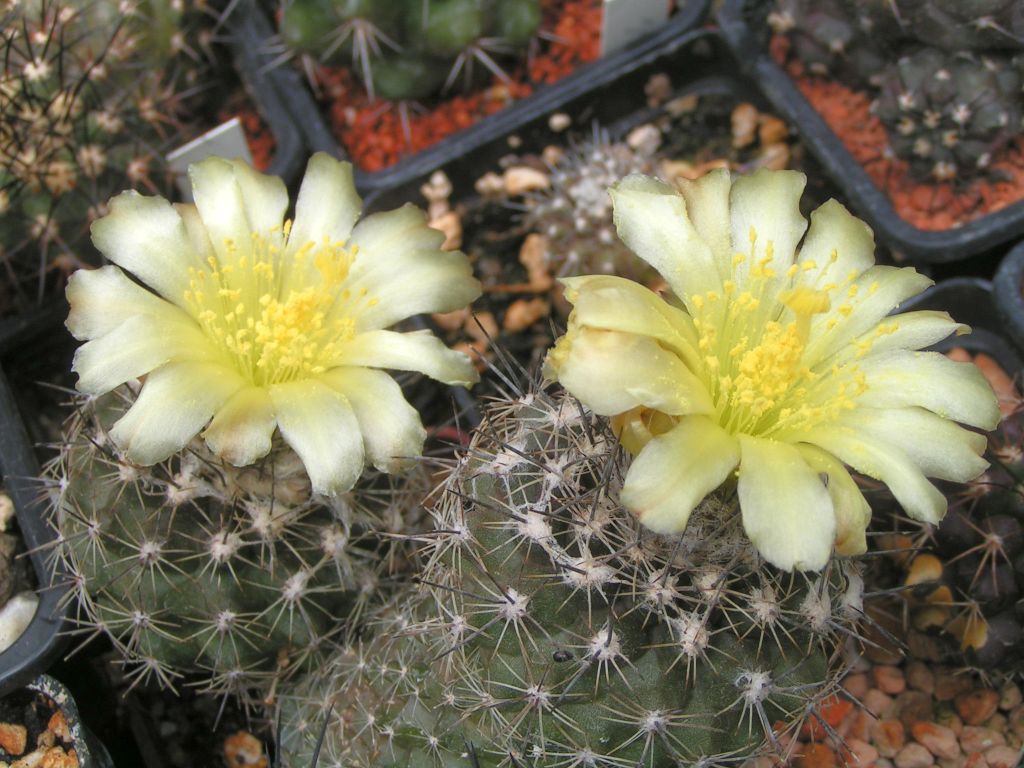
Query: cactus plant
[
  {"x": 88, "y": 91},
  {"x": 553, "y": 630},
  {"x": 949, "y": 114},
  {"x": 412, "y": 49},
  {"x": 232, "y": 577}
]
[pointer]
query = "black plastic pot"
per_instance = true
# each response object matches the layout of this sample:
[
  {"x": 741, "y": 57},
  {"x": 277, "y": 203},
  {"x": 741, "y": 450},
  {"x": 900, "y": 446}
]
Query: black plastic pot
[
  {"x": 42, "y": 641},
  {"x": 973, "y": 301},
  {"x": 1006, "y": 289},
  {"x": 490, "y": 131},
  {"x": 247, "y": 32},
  {"x": 744, "y": 27}
]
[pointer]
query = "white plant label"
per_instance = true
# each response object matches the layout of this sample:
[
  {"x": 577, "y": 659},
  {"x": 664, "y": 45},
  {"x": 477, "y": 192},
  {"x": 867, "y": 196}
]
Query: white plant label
[
  {"x": 226, "y": 140},
  {"x": 628, "y": 20}
]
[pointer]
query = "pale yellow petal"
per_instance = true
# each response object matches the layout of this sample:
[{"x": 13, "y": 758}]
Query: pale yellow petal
[
  {"x": 416, "y": 351},
  {"x": 838, "y": 246},
  {"x": 102, "y": 299},
  {"x": 707, "y": 203},
  {"x": 196, "y": 231},
  {"x": 651, "y": 219},
  {"x": 242, "y": 429},
  {"x": 136, "y": 347},
  {"x": 146, "y": 236},
  {"x": 676, "y": 470},
  {"x": 613, "y": 372},
  {"x": 850, "y": 508},
  {"x": 765, "y": 220},
  {"x": 858, "y": 308},
  {"x": 318, "y": 423},
  {"x": 393, "y": 435},
  {"x": 886, "y": 462},
  {"x": 939, "y": 447},
  {"x": 175, "y": 403},
  {"x": 787, "y": 511},
  {"x": 930, "y": 380},
  {"x": 328, "y": 205},
  {"x": 609, "y": 303},
  {"x": 908, "y": 330},
  {"x": 264, "y": 197}
]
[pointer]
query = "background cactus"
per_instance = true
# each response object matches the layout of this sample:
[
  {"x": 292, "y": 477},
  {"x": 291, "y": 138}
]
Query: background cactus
[
  {"x": 551, "y": 629},
  {"x": 964, "y": 581},
  {"x": 413, "y": 49},
  {"x": 92, "y": 93},
  {"x": 234, "y": 577}
]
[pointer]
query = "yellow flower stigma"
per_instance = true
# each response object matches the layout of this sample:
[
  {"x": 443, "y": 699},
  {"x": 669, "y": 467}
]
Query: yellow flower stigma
[
  {"x": 775, "y": 361},
  {"x": 242, "y": 325}
]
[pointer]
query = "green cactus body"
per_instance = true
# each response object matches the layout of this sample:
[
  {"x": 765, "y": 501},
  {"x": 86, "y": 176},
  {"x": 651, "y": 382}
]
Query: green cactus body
[
  {"x": 413, "y": 49},
  {"x": 948, "y": 115},
  {"x": 232, "y": 576},
  {"x": 551, "y": 629}
]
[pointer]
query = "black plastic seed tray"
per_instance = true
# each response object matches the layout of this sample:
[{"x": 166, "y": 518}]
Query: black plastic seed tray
[
  {"x": 744, "y": 27},
  {"x": 1009, "y": 300},
  {"x": 492, "y": 130}
]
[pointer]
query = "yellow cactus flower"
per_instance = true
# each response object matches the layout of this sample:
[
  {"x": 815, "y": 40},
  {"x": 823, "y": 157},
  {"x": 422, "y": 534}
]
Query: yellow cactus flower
[
  {"x": 243, "y": 323},
  {"x": 778, "y": 364}
]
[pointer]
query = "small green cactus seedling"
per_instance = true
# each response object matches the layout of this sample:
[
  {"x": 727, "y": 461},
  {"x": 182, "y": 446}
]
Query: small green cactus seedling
[
  {"x": 231, "y": 577},
  {"x": 949, "y": 114},
  {"x": 552, "y": 629},
  {"x": 412, "y": 49}
]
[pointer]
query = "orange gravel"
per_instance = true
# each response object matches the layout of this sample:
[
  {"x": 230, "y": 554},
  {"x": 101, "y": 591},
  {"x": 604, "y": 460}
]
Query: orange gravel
[
  {"x": 377, "y": 135},
  {"x": 926, "y": 205}
]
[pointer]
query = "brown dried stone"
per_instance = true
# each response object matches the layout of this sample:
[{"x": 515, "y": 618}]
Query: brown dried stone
[
  {"x": 523, "y": 313},
  {"x": 879, "y": 704},
  {"x": 920, "y": 677},
  {"x": 977, "y": 706},
  {"x": 889, "y": 679},
  {"x": 58, "y": 726},
  {"x": 56, "y": 757},
  {"x": 856, "y": 685},
  {"x": 816, "y": 756},
  {"x": 863, "y": 754},
  {"x": 1010, "y": 696},
  {"x": 975, "y": 738},
  {"x": 913, "y": 707},
  {"x": 938, "y": 740},
  {"x": 948, "y": 685},
  {"x": 914, "y": 756},
  {"x": 1002, "y": 757},
  {"x": 13, "y": 738},
  {"x": 888, "y": 737}
]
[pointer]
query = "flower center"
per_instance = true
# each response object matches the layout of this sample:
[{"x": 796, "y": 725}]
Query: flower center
[
  {"x": 279, "y": 316},
  {"x": 752, "y": 344}
]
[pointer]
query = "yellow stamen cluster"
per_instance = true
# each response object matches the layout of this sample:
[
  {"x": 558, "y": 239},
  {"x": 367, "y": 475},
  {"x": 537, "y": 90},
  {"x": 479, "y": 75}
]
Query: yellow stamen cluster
[
  {"x": 752, "y": 349},
  {"x": 280, "y": 317}
]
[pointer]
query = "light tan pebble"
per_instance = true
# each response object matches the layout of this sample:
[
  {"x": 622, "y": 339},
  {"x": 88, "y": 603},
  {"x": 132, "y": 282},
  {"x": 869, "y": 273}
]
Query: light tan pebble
[
  {"x": 877, "y": 703},
  {"x": 644, "y": 139},
  {"x": 58, "y": 758},
  {"x": 856, "y": 685},
  {"x": 774, "y": 157},
  {"x": 481, "y": 326},
  {"x": 13, "y": 738},
  {"x": 514, "y": 141},
  {"x": 6, "y": 511},
  {"x": 682, "y": 105},
  {"x": 438, "y": 188},
  {"x": 477, "y": 351},
  {"x": 938, "y": 740},
  {"x": 772, "y": 130},
  {"x": 489, "y": 184},
  {"x": 533, "y": 254},
  {"x": 451, "y": 225},
  {"x": 889, "y": 679},
  {"x": 914, "y": 755},
  {"x": 863, "y": 754},
  {"x": 948, "y": 685},
  {"x": 523, "y": 313},
  {"x": 888, "y": 737},
  {"x": 450, "y": 321},
  {"x": 976, "y": 738},
  {"x": 552, "y": 155},
  {"x": 744, "y": 125},
  {"x": 45, "y": 740},
  {"x": 920, "y": 677},
  {"x": 522, "y": 179},
  {"x": 670, "y": 170},
  {"x": 559, "y": 121},
  {"x": 1010, "y": 696},
  {"x": 1002, "y": 757},
  {"x": 977, "y": 706},
  {"x": 862, "y": 724},
  {"x": 31, "y": 760},
  {"x": 658, "y": 89}
]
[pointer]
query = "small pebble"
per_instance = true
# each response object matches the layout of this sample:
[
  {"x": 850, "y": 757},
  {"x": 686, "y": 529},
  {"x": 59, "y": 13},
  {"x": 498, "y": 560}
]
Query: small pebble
[
  {"x": 13, "y": 738},
  {"x": 744, "y": 125},
  {"x": 523, "y": 313},
  {"x": 856, "y": 685},
  {"x": 1010, "y": 696},
  {"x": 1002, "y": 757},
  {"x": 522, "y": 179},
  {"x": 559, "y": 121},
  {"x": 889, "y": 679},
  {"x": 914, "y": 707},
  {"x": 15, "y": 617},
  {"x": 644, "y": 139},
  {"x": 877, "y": 703},
  {"x": 489, "y": 184},
  {"x": 948, "y": 685},
  {"x": 658, "y": 89},
  {"x": 816, "y": 756},
  {"x": 888, "y": 737},
  {"x": 862, "y": 753},
  {"x": 977, "y": 706},
  {"x": 938, "y": 740},
  {"x": 920, "y": 677},
  {"x": 6, "y": 511},
  {"x": 914, "y": 756},
  {"x": 772, "y": 130},
  {"x": 975, "y": 738}
]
